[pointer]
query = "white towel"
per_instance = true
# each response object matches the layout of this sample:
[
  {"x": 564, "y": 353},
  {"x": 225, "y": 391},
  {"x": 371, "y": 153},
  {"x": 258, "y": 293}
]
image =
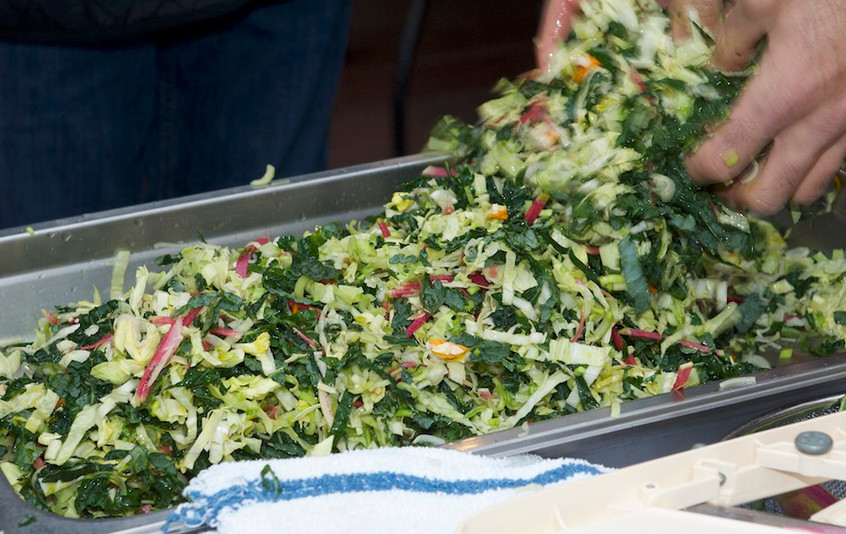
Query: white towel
[{"x": 379, "y": 491}]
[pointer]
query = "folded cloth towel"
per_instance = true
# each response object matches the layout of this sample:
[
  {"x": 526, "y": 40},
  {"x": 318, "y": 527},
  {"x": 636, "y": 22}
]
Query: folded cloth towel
[{"x": 388, "y": 490}]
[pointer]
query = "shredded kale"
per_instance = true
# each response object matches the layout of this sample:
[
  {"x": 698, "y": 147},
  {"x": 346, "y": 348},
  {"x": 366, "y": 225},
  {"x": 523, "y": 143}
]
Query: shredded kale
[
  {"x": 636, "y": 286},
  {"x": 443, "y": 315}
]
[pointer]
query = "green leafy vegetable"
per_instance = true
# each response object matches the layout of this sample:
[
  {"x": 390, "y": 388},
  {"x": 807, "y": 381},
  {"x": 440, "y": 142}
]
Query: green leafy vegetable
[{"x": 459, "y": 310}]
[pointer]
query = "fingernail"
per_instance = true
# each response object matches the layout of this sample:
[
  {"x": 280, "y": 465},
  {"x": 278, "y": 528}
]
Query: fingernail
[{"x": 749, "y": 173}]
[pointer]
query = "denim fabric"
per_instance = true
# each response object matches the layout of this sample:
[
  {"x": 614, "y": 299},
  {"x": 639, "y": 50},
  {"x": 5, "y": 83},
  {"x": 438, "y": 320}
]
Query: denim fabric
[{"x": 191, "y": 110}]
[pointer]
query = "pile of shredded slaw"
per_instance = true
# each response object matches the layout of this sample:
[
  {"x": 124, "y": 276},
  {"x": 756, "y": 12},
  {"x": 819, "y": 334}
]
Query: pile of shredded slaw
[{"x": 562, "y": 262}]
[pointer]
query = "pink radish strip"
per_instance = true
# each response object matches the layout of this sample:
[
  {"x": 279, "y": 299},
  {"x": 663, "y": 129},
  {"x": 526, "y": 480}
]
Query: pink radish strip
[
  {"x": 270, "y": 410},
  {"x": 104, "y": 339},
  {"x": 491, "y": 271},
  {"x": 50, "y": 316},
  {"x": 241, "y": 266},
  {"x": 295, "y": 307},
  {"x": 417, "y": 323},
  {"x": 638, "y": 80},
  {"x": 616, "y": 339},
  {"x": 191, "y": 315},
  {"x": 479, "y": 279},
  {"x": 187, "y": 319},
  {"x": 311, "y": 343},
  {"x": 243, "y": 263},
  {"x": 697, "y": 346},
  {"x": 642, "y": 334},
  {"x": 681, "y": 378},
  {"x": 534, "y": 113},
  {"x": 164, "y": 352},
  {"x": 535, "y": 209},
  {"x": 406, "y": 290},
  {"x": 485, "y": 394},
  {"x": 326, "y": 406},
  {"x": 438, "y": 172},
  {"x": 384, "y": 229},
  {"x": 580, "y": 329},
  {"x": 225, "y": 332}
]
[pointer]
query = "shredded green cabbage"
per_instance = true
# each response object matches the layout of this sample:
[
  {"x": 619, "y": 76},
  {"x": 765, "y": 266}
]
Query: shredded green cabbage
[{"x": 453, "y": 313}]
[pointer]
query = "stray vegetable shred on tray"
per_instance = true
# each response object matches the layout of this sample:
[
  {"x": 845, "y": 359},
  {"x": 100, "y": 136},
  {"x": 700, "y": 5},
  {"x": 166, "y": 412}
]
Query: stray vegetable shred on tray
[{"x": 563, "y": 261}]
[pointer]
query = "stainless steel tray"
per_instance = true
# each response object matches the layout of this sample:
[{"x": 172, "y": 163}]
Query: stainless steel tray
[{"x": 63, "y": 261}]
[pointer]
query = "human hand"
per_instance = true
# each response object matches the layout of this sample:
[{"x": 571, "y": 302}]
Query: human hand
[
  {"x": 557, "y": 21},
  {"x": 709, "y": 12},
  {"x": 555, "y": 24},
  {"x": 795, "y": 105}
]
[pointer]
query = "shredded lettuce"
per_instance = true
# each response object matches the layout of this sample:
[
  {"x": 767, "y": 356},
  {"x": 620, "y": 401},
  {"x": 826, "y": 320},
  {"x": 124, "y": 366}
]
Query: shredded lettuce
[{"x": 461, "y": 309}]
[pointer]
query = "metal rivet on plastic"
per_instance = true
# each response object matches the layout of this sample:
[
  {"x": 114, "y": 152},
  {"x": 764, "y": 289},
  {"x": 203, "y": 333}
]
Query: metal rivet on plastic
[{"x": 813, "y": 442}]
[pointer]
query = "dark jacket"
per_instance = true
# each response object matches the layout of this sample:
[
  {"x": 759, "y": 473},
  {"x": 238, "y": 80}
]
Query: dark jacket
[{"x": 103, "y": 20}]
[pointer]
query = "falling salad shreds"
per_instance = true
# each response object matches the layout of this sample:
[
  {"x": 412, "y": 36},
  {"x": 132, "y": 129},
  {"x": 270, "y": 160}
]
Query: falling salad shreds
[{"x": 562, "y": 262}]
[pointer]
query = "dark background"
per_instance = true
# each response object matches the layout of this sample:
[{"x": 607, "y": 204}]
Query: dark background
[{"x": 465, "y": 46}]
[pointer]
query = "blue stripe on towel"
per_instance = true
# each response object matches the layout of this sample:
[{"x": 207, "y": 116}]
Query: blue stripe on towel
[{"x": 206, "y": 507}]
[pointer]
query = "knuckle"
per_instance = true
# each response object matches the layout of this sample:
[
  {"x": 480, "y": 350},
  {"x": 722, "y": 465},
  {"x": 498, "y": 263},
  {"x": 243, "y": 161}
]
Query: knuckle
[
  {"x": 708, "y": 168},
  {"x": 763, "y": 203},
  {"x": 810, "y": 194},
  {"x": 724, "y": 157},
  {"x": 755, "y": 8},
  {"x": 771, "y": 192},
  {"x": 814, "y": 187},
  {"x": 784, "y": 102}
]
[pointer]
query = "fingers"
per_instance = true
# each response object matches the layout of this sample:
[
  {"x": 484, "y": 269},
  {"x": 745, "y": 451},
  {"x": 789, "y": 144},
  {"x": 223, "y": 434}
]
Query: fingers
[
  {"x": 555, "y": 26},
  {"x": 735, "y": 145},
  {"x": 799, "y": 166},
  {"x": 739, "y": 34},
  {"x": 752, "y": 122},
  {"x": 710, "y": 12},
  {"x": 771, "y": 101},
  {"x": 799, "y": 112},
  {"x": 821, "y": 175}
]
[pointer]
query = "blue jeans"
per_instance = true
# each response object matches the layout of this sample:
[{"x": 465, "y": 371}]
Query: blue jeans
[{"x": 191, "y": 110}]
